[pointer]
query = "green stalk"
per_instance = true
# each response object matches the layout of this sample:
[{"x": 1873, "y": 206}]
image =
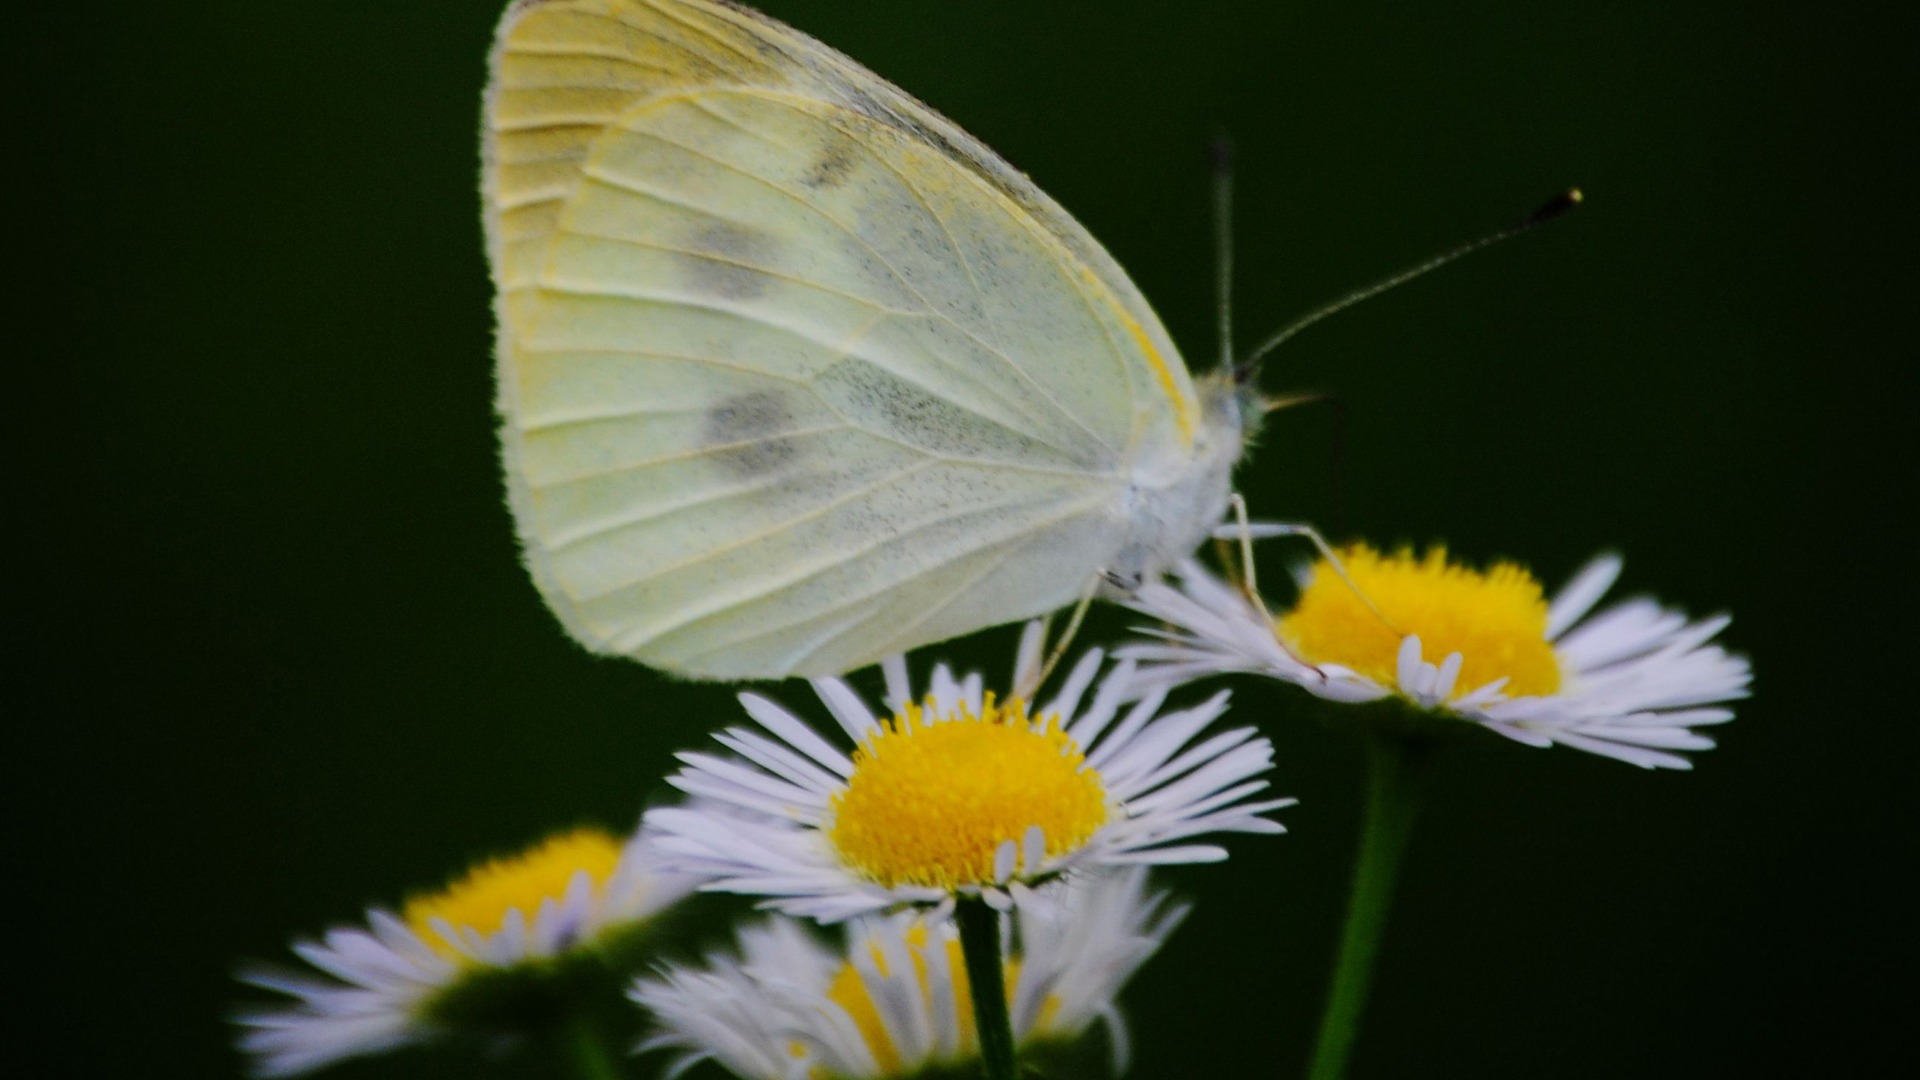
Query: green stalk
[
  {"x": 986, "y": 977},
  {"x": 585, "y": 1051},
  {"x": 1396, "y": 772}
]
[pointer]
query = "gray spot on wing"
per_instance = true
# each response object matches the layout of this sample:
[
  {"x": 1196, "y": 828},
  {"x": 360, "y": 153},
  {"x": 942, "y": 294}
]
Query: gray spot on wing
[
  {"x": 881, "y": 401},
  {"x": 727, "y": 260},
  {"x": 747, "y": 433},
  {"x": 830, "y": 169}
]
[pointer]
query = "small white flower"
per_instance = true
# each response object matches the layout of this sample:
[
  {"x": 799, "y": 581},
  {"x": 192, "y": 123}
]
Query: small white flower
[
  {"x": 378, "y": 986},
  {"x": 958, "y": 794},
  {"x": 896, "y": 1000},
  {"x": 1631, "y": 682}
]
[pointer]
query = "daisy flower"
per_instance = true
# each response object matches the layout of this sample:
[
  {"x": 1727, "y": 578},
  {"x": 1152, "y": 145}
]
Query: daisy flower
[
  {"x": 473, "y": 957},
  {"x": 959, "y": 794},
  {"x": 896, "y": 1001},
  {"x": 1632, "y": 682}
]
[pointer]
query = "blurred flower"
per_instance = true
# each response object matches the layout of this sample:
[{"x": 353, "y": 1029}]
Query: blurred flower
[
  {"x": 959, "y": 793},
  {"x": 1631, "y": 682},
  {"x": 897, "y": 1001},
  {"x": 489, "y": 954}
]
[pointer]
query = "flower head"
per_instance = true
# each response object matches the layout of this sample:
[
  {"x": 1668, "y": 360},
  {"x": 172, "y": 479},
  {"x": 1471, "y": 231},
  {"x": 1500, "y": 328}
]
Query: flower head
[
  {"x": 959, "y": 793},
  {"x": 465, "y": 958},
  {"x": 896, "y": 1001},
  {"x": 1631, "y": 682}
]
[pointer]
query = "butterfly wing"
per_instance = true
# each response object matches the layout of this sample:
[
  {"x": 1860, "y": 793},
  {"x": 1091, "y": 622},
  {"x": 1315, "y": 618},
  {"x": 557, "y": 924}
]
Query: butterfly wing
[{"x": 793, "y": 374}]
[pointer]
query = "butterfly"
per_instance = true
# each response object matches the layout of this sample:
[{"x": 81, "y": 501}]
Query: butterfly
[{"x": 794, "y": 374}]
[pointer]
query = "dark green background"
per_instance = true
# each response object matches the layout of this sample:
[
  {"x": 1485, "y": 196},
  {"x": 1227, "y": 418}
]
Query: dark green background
[{"x": 275, "y": 659}]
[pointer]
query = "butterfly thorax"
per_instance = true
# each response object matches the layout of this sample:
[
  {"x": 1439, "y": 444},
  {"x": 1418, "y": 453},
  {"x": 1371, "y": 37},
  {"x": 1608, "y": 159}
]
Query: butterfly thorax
[{"x": 1173, "y": 501}]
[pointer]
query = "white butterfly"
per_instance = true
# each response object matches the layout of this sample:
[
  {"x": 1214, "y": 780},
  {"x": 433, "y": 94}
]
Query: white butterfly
[{"x": 794, "y": 373}]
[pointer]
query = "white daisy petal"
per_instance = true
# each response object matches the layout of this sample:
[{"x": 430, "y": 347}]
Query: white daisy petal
[
  {"x": 1112, "y": 694},
  {"x": 1146, "y": 756},
  {"x": 1448, "y": 674},
  {"x": 702, "y": 785},
  {"x": 945, "y": 690},
  {"x": 797, "y": 734},
  {"x": 943, "y": 1002},
  {"x": 1033, "y": 851},
  {"x": 1633, "y": 679},
  {"x": 1195, "y": 756},
  {"x": 802, "y": 835},
  {"x": 1067, "y": 701},
  {"x": 973, "y": 692},
  {"x": 1122, "y": 737},
  {"x": 1632, "y": 755},
  {"x": 776, "y": 759},
  {"x": 742, "y": 778},
  {"x": 1006, "y": 859},
  {"x": 899, "y": 690},
  {"x": 1573, "y": 602},
  {"x": 377, "y": 986},
  {"x": 1198, "y": 853},
  {"x": 855, "y": 718},
  {"x": 781, "y": 1005},
  {"x": 1524, "y": 736},
  {"x": 1026, "y": 659}
]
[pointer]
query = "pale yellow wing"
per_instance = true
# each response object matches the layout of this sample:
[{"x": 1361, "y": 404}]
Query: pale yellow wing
[{"x": 793, "y": 374}]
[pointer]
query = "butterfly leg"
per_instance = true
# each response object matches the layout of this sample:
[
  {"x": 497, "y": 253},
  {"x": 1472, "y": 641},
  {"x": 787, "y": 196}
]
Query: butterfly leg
[
  {"x": 1243, "y": 531},
  {"x": 1027, "y": 688},
  {"x": 1246, "y": 533}
]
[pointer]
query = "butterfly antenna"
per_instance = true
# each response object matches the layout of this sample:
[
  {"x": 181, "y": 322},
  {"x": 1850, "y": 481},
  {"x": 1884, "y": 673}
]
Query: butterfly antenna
[
  {"x": 1220, "y": 163},
  {"x": 1247, "y": 370}
]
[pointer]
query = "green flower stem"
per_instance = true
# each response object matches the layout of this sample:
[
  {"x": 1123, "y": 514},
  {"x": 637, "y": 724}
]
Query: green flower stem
[
  {"x": 1396, "y": 775},
  {"x": 585, "y": 1051},
  {"x": 986, "y": 977}
]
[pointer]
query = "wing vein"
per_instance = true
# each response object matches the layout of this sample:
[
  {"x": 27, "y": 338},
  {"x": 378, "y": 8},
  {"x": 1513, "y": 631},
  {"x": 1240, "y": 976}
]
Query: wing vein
[
  {"x": 743, "y": 314},
  {"x": 771, "y": 272},
  {"x": 694, "y": 454},
  {"x": 960, "y": 256},
  {"x": 582, "y": 52},
  {"x": 1059, "y": 265},
  {"x": 602, "y": 528},
  {"x": 537, "y": 124},
  {"x": 1024, "y": 533},
  {"x": 698, "y": 60},
  {"x": 696, "y": 28},
  {"x": 687, "y": 357},
  {"x": 1012, "y": 544},
  {"x": 557, "y": 423},
  {"x": 930, "y": 310},
  {"x": 767, "y": 533},
  {"x": 749, "y": 315}
]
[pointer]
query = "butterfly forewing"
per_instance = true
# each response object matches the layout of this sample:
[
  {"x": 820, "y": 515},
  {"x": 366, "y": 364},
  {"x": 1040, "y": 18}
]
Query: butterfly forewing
[{"x": 789, "y": 379}]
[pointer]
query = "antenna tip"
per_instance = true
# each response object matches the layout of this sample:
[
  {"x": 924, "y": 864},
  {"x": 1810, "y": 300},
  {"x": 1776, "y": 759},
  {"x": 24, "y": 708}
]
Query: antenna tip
[
  {"x": 1556, "y": 206},
  {"x": 1220, "y": 153}
]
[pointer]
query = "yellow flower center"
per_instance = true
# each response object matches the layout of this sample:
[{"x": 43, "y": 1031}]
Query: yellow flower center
[
  {"x": 932, "y": 798},
  {"x": 849, "y": 991},
  {"x": 481, "y": 899},
  {"x": 1496, "y": 620}
]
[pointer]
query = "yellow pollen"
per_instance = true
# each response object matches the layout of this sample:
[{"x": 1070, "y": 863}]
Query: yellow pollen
[
  {"x": 932, "y": 797},
  {"x": 849, "y": 991},
  {"x": 482, "y": 898},
  {"x": 1496, "y": 620}
]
